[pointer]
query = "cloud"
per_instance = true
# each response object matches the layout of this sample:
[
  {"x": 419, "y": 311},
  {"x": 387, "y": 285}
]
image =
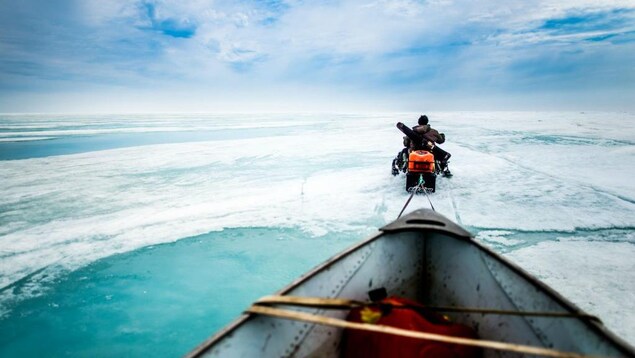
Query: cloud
[
  {"x": 170, "y": 26},
  {"x": 398, "y": 48}
]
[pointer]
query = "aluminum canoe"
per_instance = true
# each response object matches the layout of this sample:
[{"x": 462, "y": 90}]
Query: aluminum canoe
[{"x": 425, "y": 257}]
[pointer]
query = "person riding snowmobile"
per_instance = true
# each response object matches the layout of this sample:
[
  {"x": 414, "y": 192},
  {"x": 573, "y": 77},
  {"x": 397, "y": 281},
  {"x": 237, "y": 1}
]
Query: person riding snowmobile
[{"x": 433, "y": 137}]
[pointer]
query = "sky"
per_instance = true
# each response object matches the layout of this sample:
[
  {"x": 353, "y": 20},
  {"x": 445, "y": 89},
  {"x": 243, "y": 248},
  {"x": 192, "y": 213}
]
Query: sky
[{"x": 352, "y": 55}]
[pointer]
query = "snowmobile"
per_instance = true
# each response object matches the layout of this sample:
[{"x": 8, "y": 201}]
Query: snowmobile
[{"x": 419, "y": 164}]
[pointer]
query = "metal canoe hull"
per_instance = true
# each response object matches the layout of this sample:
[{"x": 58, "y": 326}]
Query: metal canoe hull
[{"x": 427, "y": 258}]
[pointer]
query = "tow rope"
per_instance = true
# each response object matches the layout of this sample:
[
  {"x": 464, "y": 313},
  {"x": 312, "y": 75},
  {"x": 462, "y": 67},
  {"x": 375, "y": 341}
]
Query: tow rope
[{"x": 415, "y": 190}]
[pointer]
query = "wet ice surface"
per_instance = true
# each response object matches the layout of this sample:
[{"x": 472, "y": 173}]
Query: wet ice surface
[
  {"x": 551, "y": 191},
  {"x": 590, "y": 270}
]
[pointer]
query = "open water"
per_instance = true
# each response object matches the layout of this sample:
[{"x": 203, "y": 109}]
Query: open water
[{"x": 128, "y": 235}]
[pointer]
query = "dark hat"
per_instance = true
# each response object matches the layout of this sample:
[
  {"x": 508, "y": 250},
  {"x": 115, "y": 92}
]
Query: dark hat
[{"x": 423, "y": 120}]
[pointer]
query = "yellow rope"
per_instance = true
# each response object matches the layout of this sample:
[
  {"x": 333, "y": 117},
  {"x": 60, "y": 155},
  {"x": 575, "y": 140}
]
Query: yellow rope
[
  {"x": 329, "y": 321},
  {"x": 340, "y": 303}
]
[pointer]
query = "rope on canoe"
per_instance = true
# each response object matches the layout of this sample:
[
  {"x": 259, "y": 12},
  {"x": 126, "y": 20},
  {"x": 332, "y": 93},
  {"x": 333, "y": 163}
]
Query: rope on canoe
[
  {"x": 342, "y": 303},
  {"x": 335, "y": 322}
]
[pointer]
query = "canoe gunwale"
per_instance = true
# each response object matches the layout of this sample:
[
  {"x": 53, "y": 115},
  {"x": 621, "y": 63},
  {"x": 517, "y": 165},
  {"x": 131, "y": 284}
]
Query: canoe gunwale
[{"x": 426, "y": 220}]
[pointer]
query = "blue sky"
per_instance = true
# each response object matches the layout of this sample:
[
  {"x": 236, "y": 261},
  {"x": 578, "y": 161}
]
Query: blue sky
[{"x": 296, "y": 55}]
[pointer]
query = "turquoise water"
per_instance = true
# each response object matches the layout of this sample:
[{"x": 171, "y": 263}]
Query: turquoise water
[
  {"x": 161, "y": 300},
  {"x": 87, "y": 143}
]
